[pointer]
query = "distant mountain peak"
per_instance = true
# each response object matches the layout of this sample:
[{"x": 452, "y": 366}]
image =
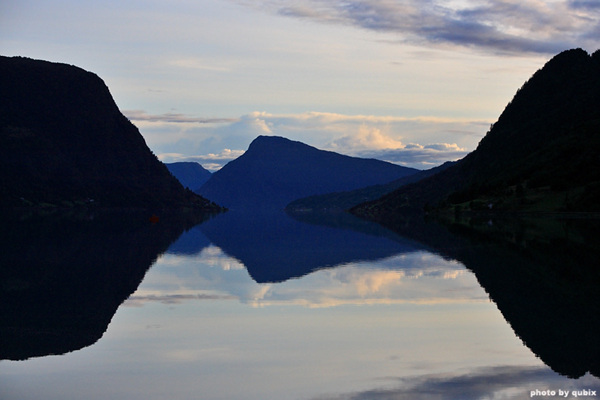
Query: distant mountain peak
[
  {"x": 275, "y": 171},
  {"x": 192, "y": 175},
  {"x": 268, "y": 143},
  {"x": 262, "y": 140}
]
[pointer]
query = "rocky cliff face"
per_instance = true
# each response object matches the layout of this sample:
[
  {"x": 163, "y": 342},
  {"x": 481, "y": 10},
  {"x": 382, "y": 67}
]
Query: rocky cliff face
[{"x": 64, "y": 142}]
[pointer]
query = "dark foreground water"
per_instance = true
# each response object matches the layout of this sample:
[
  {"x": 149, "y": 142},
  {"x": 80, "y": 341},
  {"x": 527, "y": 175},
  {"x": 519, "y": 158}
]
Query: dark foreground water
[{"x": 271, "y": 307}]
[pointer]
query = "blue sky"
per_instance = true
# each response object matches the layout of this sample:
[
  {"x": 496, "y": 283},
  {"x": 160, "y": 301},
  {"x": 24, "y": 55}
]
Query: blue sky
[{"x": 412, "y": 82}]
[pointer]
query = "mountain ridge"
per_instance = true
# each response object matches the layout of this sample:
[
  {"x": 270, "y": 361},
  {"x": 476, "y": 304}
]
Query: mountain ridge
[
  {"x": 341, "y": 201},
  {"x": 540, "y": 156},
  {"x": 275, "y": 170},
  {"x": 64, "y": 143}
]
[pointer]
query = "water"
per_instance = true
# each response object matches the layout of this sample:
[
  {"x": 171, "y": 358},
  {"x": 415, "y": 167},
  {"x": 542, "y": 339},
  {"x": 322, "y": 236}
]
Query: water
[{"x": 271, "y": 307}]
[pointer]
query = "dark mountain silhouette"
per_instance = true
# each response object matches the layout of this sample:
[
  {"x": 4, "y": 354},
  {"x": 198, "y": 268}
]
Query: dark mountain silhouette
[
  {"x": 63, "y": 275},
  {"x": 543, "y": 153},
  {"x": 275, "y": 247},
  {"x": 274, "y": 171},
  {"x": 190, "y": 243},
  {"x": 64, "y": 142},
  {"x": 341, "y": 201},
  {"x": 191, "y": 174}
]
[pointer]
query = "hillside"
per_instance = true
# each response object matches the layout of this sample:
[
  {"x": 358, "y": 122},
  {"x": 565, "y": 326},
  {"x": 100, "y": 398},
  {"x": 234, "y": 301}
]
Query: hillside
[
  {"x": 64, "y": 142},
  {"x": 341, "y": 201},
  {"x": 542, "y": 155},
  {"x": 274, "y": 171},
  {"x": 191, "y": 174}
]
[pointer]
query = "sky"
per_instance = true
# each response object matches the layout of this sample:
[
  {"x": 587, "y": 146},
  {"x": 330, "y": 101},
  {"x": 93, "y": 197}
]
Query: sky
[{"x": 414, "y": 82}]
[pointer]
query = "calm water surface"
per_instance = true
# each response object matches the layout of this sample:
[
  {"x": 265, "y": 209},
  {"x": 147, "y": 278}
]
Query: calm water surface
[{"x": 211, "y": 321}]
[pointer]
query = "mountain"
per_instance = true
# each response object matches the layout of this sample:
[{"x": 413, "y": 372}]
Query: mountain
[
  {"x": 341, "y": 201},
  {"x": 191, "y": 174},
  {"x": 542, "y": 155},
  {"x": 64, "y": 142},
  {"x": 274, "y": 171}
]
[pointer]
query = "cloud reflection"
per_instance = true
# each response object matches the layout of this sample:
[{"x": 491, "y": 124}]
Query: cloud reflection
[
  {"x": 140, "y": 300},
  {"x": 503, "y": 382},
  {"x": 417, "y": 278}
]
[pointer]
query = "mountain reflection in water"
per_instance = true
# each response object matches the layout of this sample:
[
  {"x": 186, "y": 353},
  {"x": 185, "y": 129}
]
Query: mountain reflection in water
[
  {"x": 541, "y": 272},
  {"x": 64, "y": 278},
  {"x": 63, "y": 275},
  {"x": 275, "y": 247}
]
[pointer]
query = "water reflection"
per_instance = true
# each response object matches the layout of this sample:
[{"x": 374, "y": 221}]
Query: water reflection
[
  {"x": 275, "y": 247},
  {"x": 337, "y": 305},
  {"x": 63, "y": 276},
  {"x": 502, "y": 382},
  {"x": 343, "y": 260},
  {"x": 541, "y": 272},
  {"x": 418, "y": 277}
]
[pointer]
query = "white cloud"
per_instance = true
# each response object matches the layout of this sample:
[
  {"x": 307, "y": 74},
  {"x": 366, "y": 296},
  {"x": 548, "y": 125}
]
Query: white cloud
[
  {"x": 382, "y": 137},
  {"x": 419, "y": 142},
  {"x": 256, "y": 123},
  {"x": 367, "y": 138},
  {"x": 372, "y": 143},
  {"x": 418, "y": 156}
]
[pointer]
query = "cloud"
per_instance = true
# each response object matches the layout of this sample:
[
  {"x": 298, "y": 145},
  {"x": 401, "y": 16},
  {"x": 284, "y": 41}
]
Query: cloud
[
  {"x": 256, "y": 122},
  {"x": 418, "y": 156},
  {"x": 502, "y": 382},
  {"x": 419, "y": 142},
  {"x": 349, "y": 134},
  {"x": 373, "y": 143},
  {"x": 507, "y": 26},
  {"x": 142, "y": 116},
  {"x": 178, "y": 137},
  {"x": 584, "y": 4},
  {"x": 367, "y": 137},
  {"x": 140, "y": 300}
]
